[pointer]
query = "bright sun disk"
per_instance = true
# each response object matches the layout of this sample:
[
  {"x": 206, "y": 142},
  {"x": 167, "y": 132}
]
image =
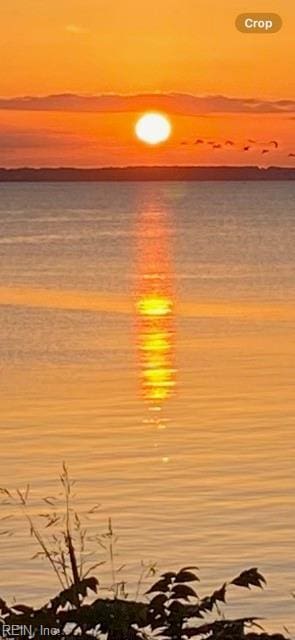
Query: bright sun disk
[{"x": 153, "y": 128}]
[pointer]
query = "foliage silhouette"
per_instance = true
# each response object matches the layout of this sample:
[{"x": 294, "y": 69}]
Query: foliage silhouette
[
  {"x": 171, "y": 609},
  {"x": 172, "y": 612}
]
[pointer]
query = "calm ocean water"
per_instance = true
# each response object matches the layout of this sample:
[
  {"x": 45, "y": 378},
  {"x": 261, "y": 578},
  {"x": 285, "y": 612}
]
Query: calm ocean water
[{"x": 147, "y": 339}]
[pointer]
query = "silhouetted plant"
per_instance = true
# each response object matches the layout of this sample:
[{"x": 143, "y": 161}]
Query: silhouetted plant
[
  {"x": 176, "y": 603},
  {"x": 172, "y": 612},
  {"x": 63, "y": 538},
  {"x": 173, "y": 608}
]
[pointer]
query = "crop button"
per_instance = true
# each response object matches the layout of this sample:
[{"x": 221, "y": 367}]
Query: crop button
[{"x": 259, "y": 22}]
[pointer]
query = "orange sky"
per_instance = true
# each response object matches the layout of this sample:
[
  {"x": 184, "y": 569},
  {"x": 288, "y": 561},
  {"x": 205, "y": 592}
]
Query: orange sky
[{"x": 187, "y": 48}]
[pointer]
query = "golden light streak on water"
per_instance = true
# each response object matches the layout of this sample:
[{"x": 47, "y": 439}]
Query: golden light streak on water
[{"x": 155, "y": 306}]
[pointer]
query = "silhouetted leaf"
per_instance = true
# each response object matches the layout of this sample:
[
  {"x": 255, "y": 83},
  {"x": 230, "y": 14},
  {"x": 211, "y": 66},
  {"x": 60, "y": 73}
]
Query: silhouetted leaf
[
  {"x": 4, "y": 608},
  {"x": 222, "y": 629},
  {"x": 160, "y": 586},
  {"x": 207, "y": 604},
  {"x": 158, "y": 602},
  {"x": 182, "y": 591},
  {"x": 219, "y": 594},
  {"x": 186, "y": 576},
  {"x": 169, "y": 575},
  {"x": 204, "y": 630},
  {"x": 248, "y": 578},
  {"x": 71, "y": 595},
  {"x": 23, "y": 608}
]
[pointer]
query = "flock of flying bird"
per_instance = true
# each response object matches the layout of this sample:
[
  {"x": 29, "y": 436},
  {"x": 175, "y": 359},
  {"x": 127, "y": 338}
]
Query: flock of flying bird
[{"x": 266, "y": 147}]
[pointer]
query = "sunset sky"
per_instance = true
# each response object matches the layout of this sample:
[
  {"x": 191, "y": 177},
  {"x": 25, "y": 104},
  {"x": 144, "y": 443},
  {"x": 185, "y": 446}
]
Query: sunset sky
[{"x": 92, "y": 67}]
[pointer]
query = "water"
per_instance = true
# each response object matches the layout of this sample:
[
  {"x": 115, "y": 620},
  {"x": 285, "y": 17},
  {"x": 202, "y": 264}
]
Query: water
[{"x": 147, "y": 340}]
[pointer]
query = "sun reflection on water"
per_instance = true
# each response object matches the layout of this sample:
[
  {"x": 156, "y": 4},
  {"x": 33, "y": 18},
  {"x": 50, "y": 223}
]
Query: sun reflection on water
[{"x": 155, "y": 307}]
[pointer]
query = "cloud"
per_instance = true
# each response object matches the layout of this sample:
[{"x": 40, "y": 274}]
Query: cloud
[
  {"x": 174, "y": 103},
  {"x": 13, "y": 141}
]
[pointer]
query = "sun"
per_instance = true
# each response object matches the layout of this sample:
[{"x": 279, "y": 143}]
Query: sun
[{"x": 153, "y": 128}]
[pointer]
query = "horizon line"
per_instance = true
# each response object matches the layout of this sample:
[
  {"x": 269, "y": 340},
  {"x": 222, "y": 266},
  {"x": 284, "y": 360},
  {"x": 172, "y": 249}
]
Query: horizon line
[
  {"x": 143, "y": 167},
  {"x": 157, "y": 173}
]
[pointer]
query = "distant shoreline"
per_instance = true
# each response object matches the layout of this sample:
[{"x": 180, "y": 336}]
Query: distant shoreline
[{"x": 146, "y": 174}]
